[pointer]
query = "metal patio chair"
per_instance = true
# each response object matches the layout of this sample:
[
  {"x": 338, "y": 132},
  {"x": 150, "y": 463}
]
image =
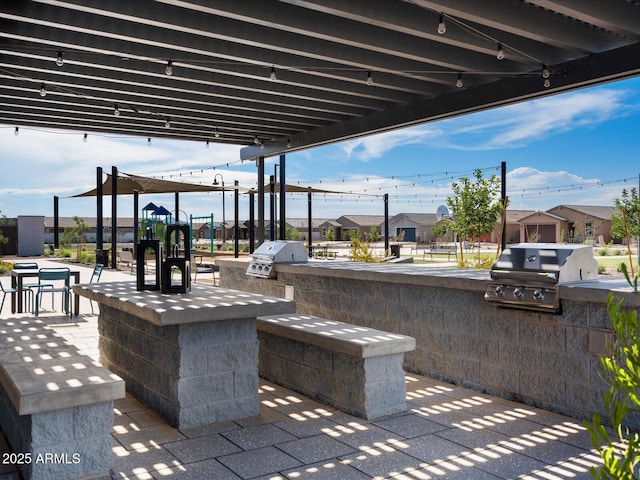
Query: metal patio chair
[
  {"x": 95, "y": 278},
  {"x": 49, "y": 281},
  {"x": 5, "y": 291},
  {"x": 27, "y": 288}
]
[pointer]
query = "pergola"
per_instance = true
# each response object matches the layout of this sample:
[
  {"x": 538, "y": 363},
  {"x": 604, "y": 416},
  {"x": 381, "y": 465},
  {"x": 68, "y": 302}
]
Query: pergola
[{"x": 279, "y": 76}]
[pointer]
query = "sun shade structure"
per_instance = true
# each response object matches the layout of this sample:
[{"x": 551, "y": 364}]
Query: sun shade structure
[
  {"x": 281, "y": 76},
  {"x": 129, "y": 184}
]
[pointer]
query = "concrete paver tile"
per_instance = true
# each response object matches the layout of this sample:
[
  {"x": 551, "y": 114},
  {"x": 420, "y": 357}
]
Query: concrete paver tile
[
  {"x": 261, "y": 461},
  {"x": 382, "y": 462},
  {"x": 201, "y": 448},
  {"x": 316, "y": 449},
  {"x": 209, "y": 429},
  {"x": 133, "y": 438},
  {"x": 326, "y": 470},
  {"x": 302, "y": 426},
  {"x": 258, "y": 436},
  {"x": 141, "y": 462},
  {"x": 410, "y": 425},
  {"x": 204, "y": 470}
]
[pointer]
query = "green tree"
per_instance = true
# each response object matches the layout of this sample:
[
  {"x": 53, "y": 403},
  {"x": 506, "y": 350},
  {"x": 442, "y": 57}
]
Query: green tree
[
  {"x": 292, "y": 234},
  {"x": 75, "y": 235},
  {"x": 329, "y": 233},
  {"x": 374, "y": 235},
  {"x": 4, "y": 221},
  {"x": 438, "y": 231},
  {"x": 475, "y": 206},
  {"x": 626, "y": 223}
]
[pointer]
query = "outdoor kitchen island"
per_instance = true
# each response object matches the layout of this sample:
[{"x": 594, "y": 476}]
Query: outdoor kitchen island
[
  {"x": 193, "y": 357},
  {"x": 547, "y": 359}
]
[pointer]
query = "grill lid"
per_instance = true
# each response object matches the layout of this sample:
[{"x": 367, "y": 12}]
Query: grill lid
[
  {"x": 548, "y": 263},
  {"x": 526, "y": 276},
  {"x": 269, "y": 253}
]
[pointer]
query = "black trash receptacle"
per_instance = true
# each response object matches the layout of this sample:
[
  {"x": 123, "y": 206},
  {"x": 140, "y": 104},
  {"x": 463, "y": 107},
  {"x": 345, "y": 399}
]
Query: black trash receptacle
[
  {"x": 102, "y": 256},
  {"x": 395, "y": 251}
]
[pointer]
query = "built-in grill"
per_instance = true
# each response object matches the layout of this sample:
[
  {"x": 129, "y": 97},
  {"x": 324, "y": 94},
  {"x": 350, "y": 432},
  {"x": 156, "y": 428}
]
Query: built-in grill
[
  {"x": 527, "y": 275},
  {"x": 268, "y": 254}
]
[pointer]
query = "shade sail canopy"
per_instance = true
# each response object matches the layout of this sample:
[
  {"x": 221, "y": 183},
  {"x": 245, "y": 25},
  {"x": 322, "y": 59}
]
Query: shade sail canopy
[
  {"x": 277, "y": 76},
  {"x": 128, "y": 184}
]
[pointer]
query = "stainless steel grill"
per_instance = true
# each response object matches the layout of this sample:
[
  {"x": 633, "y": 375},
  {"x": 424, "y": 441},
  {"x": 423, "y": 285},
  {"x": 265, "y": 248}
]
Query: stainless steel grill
[
  {"x": 268, "y": 254},
  {"x": 527, "y": 275}
]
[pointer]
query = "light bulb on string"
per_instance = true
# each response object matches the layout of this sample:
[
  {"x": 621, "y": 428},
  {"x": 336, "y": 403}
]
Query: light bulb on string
[
  {"x": 168, "y": 70},
  {"x": 500, "y": 52},
  {"x": 16, "y": 132},
  {"x": 43, "y": 90},
  {"x": 442, "y": 27},
  {"x": 60, "y": 59}
]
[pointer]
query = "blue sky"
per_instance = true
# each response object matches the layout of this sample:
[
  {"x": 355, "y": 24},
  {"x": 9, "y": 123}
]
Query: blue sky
[{"x": 575, "y": 148}]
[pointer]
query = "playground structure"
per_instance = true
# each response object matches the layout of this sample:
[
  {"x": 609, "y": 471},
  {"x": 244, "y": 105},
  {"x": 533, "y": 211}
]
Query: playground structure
[{"x": 155, "y": 220}]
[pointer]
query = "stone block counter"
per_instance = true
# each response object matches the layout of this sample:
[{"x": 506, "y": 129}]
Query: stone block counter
[{"x": 193, "y": 356}]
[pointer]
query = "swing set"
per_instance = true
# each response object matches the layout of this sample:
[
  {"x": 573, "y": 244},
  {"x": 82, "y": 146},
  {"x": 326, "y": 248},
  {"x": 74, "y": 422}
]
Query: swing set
[{"x": 211, "y": 232}]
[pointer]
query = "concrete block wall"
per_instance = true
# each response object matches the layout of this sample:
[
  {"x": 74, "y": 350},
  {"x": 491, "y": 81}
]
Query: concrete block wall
[
  {"x": 63, "y": 444},
  {"x": 539, "y": 359},
  {"x": 365, "y": 387},
  {"x": 192, "y": 374}
]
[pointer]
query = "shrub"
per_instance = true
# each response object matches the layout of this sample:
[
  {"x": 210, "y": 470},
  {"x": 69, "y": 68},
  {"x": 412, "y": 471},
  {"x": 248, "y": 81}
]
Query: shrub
[
  {"x": 603, "y": 252},
  {"x": 361, "y": 252}
]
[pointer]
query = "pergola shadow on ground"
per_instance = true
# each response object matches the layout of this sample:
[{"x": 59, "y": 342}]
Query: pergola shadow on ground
[{"x": 447, "y": 432}]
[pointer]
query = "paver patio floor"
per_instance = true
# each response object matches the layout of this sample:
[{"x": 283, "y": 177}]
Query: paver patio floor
[{"x": 447, "y": 432}]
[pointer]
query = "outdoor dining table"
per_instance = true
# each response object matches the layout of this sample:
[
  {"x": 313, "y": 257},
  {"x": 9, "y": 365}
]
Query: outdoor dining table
[{"x": 17, "y": 281}]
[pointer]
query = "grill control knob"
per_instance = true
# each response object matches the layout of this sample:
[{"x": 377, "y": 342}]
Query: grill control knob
[
  {"x": 538, "y": 294},
  {"x": 517, "y": 292},
  {"x": 500, "y": 290}
]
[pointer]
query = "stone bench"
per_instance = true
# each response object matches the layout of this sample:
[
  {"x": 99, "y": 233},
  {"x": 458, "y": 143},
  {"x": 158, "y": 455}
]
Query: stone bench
[
  {"x": 355, "y": 369},
  {"x": 56, "y": 405}
]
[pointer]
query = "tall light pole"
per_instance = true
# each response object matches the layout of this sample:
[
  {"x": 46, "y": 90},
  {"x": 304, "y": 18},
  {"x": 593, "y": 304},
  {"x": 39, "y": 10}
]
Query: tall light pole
[{"x": 224, "y": 223}]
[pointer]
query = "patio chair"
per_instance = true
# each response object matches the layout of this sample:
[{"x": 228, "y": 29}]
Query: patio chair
[
  {"x": 95, "y": 277},
  {"x": 4, "y": 293},
  {"x": 49, "y": 281},
  {"x": 27, "y": 288},
  {"x": 126, "y": 258},
  {"x": 200, "y": 266}
]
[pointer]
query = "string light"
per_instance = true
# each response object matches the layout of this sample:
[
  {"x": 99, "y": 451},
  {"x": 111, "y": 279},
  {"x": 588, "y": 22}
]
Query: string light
[
  {"x": 16, "y": 132},
  {"x": 168, "y": 70},
  {"x": 167, "y": 123},
  {"x": 272, "y": 75},
  {"x": 369, "y": 79},
  {"x": 148, "y": 141},
  {"x": 84, "y": 139},
  {"x": 500, "y": 52},
  {"x": 459, "y": 83},
  {"x": 442, "y": 27},
  {"x": 43, "y": 90},
  {"x": 60, "y": 59},
  {"x": 217, "y": 133},
  {"x": 207, "y": 144},
  {"x": 116, "y": 110}
]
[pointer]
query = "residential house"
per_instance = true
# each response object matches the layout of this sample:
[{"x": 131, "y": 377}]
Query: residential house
[
  {"x": 542, "y": 227},
  {"x": 362, "y": 223},
  {"x": 412, "y": 227},
  {"x": 586, "y": 222},
  {"x": 511, "y": 226}
]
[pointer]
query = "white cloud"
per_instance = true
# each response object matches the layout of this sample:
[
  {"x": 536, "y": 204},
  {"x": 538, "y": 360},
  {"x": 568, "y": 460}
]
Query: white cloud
[
  {"x": 375, "y": 146},
  {"x": 518, "y": 125}
]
